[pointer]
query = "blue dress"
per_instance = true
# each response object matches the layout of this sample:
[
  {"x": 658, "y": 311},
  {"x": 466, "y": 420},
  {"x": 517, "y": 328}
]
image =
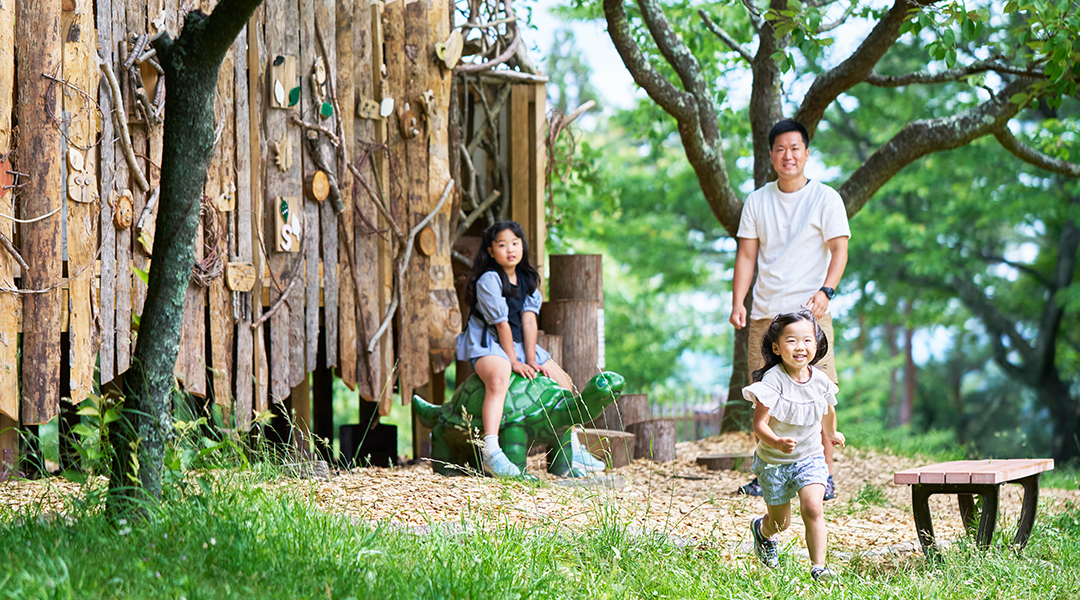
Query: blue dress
[{"x": 490, "y": 303}]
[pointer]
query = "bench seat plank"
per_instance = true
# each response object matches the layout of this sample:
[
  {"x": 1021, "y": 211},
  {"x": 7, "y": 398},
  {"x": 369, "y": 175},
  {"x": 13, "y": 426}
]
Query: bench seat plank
[
  {"x": 1016, "y": 469},
  {"x": 931, "y": 473}
]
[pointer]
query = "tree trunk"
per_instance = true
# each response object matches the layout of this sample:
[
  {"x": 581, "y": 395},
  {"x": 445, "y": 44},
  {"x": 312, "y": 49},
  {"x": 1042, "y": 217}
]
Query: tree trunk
[
  {"x": 738, "y": 413},
  {"x": 893, "y": 407},
  {"x": 191, "y": 65},
  {"x": 911, "y": 374}
]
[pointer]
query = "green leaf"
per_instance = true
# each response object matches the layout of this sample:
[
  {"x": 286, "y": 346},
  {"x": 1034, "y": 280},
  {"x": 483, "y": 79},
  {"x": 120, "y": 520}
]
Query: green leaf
[
  {"x": 142, "y": 275},
  {"x": 74, "y": 476},
  {"x": 112, "y": 415},
  {"x": 326, "y": 110},
  {"x": 82, "y": 430},
  {"x": 950, "y": 58},
  {"x": 294, "y": 96},
  {"x": 88, "y": 411}
]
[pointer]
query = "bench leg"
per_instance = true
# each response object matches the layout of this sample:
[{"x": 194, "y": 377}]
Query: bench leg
[
  {"x": 920, "y": 505},
  {"x": 988, "y": 520},
  {"x": 1027, "y": 512},
  {"x": 967, "y": 513}
]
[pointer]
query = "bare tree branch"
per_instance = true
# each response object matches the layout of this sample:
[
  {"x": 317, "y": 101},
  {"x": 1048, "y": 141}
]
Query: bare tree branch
[
  {"x": 685, "y": 64},
  {"x": 840, "y": 21},
  {"x": 956, "y": 74},
  {"x": 1030, "y": 155},
  {"x": 990, "y": 258},
  {"x": 925, "y": 136},
  {"x": 674, "y": 101},
  {"x": 755, "y": 14},
  {"x": 726, "y": 38},
  {"x": 844, "y": 76}
]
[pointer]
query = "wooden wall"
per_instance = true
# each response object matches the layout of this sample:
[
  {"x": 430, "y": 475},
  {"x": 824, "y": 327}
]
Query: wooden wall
[{"x": 74, "y": 199}]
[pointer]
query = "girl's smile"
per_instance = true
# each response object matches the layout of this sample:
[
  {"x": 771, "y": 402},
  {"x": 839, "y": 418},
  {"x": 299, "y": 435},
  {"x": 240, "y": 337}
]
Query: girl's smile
[{"x": 796, "y": 347}]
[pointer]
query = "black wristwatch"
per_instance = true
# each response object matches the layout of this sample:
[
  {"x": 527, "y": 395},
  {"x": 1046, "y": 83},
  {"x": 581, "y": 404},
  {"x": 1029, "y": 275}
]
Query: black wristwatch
[{"x": 829, "y": 292}]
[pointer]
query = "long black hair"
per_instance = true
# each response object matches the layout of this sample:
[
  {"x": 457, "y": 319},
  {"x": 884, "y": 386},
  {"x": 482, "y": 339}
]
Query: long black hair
[
  {"x": 527, "y": 274},
  {"x": 772, "y": 336}
]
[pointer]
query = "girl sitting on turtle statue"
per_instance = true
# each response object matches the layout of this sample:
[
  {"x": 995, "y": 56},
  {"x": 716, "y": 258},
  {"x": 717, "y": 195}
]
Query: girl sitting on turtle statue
[{"x": 500, "y": 342}]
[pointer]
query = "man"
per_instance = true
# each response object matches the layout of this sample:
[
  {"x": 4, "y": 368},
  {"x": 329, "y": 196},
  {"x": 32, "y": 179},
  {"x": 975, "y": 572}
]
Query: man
[{"x": 795, "y": 231}]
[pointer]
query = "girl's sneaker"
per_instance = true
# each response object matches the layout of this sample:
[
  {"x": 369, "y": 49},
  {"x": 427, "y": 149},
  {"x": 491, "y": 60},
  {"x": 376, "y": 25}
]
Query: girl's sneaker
[
  {"x": 498, "y": 465},
  {"x": 581, "y": 458},
  {"x": 764, "y": 548},
  {"x": 830, "y": 489},
  {"x": 752, "y": 489},
  {"x": 822, "y": 574}
]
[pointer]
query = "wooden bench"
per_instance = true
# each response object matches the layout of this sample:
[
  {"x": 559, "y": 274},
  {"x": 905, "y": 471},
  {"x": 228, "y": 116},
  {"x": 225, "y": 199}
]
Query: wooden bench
[{"x": 966, "y": 478}]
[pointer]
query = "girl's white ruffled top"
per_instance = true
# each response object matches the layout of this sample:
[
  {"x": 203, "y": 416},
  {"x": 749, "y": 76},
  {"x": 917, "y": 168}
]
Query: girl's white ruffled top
[{"x": 795, "y": 411}]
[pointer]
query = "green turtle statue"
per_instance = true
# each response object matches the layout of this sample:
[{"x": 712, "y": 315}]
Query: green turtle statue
[{"x": 536, "y": 411}]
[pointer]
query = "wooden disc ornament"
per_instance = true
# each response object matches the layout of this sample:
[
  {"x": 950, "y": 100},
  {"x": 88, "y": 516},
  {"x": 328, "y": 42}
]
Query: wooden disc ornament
[
  {"x": 317, "y": 185},
  {"x": 123, "y": 213},
  {"x": 426, "y": 241}
]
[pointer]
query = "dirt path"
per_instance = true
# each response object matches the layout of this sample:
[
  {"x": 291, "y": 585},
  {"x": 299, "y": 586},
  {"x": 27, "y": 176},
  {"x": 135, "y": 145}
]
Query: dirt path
[{"x": 678, "y": 498}]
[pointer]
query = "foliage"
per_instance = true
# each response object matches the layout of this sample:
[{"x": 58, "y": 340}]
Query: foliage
[{"x": 231, "y": 538}]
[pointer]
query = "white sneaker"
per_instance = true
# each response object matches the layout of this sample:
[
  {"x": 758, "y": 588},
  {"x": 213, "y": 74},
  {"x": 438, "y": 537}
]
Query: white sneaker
[
  {"x": 581, "y": 458},
  {"x": 498, "y": 465}
]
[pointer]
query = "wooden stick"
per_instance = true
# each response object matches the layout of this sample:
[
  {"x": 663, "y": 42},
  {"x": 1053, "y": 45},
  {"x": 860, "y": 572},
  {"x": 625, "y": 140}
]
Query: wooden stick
[
  {"x": 475, "y": 214},
  {"x": 151, "y": 202},
  {"x": 305, "y": 125},
  {"x": 121, "y": 122},
  {"x": 6, "y": 243},
  {"x": 277, "y": 303}
]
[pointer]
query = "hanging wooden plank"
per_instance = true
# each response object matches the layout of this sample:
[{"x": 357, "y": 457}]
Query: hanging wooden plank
[
  {"x": 38, "y": 53},
  {"x": 344, "y": 80},
  {"x": 256, "y": 69},
  {"x": 122, "y": 188},
  {"x": 393, "y": 172},
  {"x": 283, "y": 179},
  {"x": 444, "y": 320},
  {"x": 139, "y": 128},
  {"x": 10, "y": 303},
  {"x": 107, "y": 279},
  {"x": 413, "y": 310},
  {"x": 326, "y": 18},
  {"x": 537, "y": 232},
  {"x": 81, "y": 71},
  {"x": 308, "y": 329},
  {"x": 372, "y": 249},
  {"x": 242, "y": 244},
  {"x": 223, "y": 173}
]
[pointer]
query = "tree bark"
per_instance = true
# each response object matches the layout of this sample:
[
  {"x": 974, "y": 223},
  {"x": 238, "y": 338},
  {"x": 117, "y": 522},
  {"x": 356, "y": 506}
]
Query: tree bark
[{"x": 191, "y": 64}]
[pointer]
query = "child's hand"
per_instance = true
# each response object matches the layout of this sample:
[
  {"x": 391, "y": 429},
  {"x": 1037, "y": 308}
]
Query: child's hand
[
  {"x": 785, "y": 445},
  {"x": 524, "y": 370},
  {"x": 838, "y": 439},
  {"x": 546, "y": 370}
]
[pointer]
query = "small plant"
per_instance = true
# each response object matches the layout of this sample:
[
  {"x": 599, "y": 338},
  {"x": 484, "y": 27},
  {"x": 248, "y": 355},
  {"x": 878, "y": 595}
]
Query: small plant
[{"x": 871, "y": 494}]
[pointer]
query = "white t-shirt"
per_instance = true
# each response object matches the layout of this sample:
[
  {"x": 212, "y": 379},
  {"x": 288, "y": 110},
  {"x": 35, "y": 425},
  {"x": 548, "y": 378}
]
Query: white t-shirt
[
  {"x": 792, "y": 232},
  {"x": 795, "y": 411}
]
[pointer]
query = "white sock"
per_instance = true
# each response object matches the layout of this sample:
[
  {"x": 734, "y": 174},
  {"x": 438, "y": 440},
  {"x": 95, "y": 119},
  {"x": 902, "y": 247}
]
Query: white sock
[{"x": 491, "y": 445}]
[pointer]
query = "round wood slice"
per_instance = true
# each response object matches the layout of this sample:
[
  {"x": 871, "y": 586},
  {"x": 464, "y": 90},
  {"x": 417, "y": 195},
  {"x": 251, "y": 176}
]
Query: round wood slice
[
  {"x": 427, "y": 241},
  {"x": 616, "y": 448},
  {"x": 317, "y": 185},
  {"x": 655, "y": 439}
]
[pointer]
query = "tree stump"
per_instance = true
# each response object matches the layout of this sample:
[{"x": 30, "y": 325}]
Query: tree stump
[
  {"x": 576, "y": 277},
  {"x": 655, "y": 439},
  {"x": 627, "y": 410},
  {"x": 727, "y": 462},
  {"x": 615, "y": 448},
  {"x": 576, "y": 322}
]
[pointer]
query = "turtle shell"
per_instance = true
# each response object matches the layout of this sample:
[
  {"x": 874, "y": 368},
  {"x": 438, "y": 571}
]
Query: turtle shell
[{"x": 525, "y": 398}]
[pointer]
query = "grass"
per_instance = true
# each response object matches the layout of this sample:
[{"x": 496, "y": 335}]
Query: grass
[{"x": 230, "y": 538}]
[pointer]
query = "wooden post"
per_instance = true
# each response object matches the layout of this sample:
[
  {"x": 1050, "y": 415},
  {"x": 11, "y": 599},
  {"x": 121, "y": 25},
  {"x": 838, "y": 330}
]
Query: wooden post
[
  {"x": 243, "y": 390},
  {"x": 551, "y": 343},
  {"x": 300, "y": 399},
  {"x": 38, "y": 55},
  {"x": 385, "y": 35},
  {"x": 306, "y": 331},
  {"x": 655, "y": 439},
  {"x": 575, "y": 321},
  {"x": 576, "y": 277}
]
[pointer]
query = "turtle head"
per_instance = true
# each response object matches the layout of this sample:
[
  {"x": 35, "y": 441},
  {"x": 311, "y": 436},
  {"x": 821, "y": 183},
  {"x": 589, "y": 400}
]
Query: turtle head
[{"x": 603, "y": 389}]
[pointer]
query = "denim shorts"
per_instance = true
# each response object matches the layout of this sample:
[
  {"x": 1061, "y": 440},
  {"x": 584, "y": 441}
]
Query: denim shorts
[{"x": 780, "y": 483}]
